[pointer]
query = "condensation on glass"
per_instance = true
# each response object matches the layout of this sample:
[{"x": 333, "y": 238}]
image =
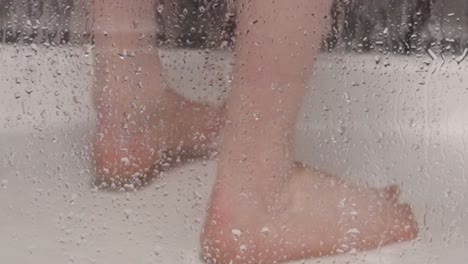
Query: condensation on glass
[{"x": 388, "y": 104}]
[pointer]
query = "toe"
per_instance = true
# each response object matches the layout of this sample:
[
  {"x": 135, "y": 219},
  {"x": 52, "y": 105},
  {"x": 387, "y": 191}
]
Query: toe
[
  {"x": 391, "y": 193},
  {"x": 405, "y": 226}
]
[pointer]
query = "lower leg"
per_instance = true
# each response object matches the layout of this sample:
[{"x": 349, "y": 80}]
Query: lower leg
[
  {"x": 274, "y": 60},
  {"x": 274, "y": 57}
]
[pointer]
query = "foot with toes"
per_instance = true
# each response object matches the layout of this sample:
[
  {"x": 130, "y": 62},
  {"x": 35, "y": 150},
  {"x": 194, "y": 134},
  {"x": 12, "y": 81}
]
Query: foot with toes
[
  {"x": 322, "y": 216},
  {"x": 143, "y": 127}
]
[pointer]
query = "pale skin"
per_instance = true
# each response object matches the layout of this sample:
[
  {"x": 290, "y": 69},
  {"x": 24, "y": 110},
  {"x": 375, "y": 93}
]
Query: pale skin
[{"x": 265, "y": 208}]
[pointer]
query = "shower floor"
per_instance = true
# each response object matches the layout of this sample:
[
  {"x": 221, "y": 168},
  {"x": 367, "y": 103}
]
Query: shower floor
[{"x": 366, "y": 118}]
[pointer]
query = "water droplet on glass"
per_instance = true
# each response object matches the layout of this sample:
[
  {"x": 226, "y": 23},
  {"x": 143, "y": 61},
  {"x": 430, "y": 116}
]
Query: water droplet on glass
[
  {"x": 128, "y": 213},
  {"x": 462, "y": 57},
  {"x": 236, "y": 233},
  {"x": 341, "y": 130},
  {"x": 265, "y": 231},
  {"x": 4, "y": 184},
  {"x": 160, "y": 8}
]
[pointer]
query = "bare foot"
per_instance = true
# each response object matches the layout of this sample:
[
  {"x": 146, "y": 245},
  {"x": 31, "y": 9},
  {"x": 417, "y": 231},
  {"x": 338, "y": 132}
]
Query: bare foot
[
  {"x": 141, "y": 124},
  {"x": 322, "y": 216}
]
